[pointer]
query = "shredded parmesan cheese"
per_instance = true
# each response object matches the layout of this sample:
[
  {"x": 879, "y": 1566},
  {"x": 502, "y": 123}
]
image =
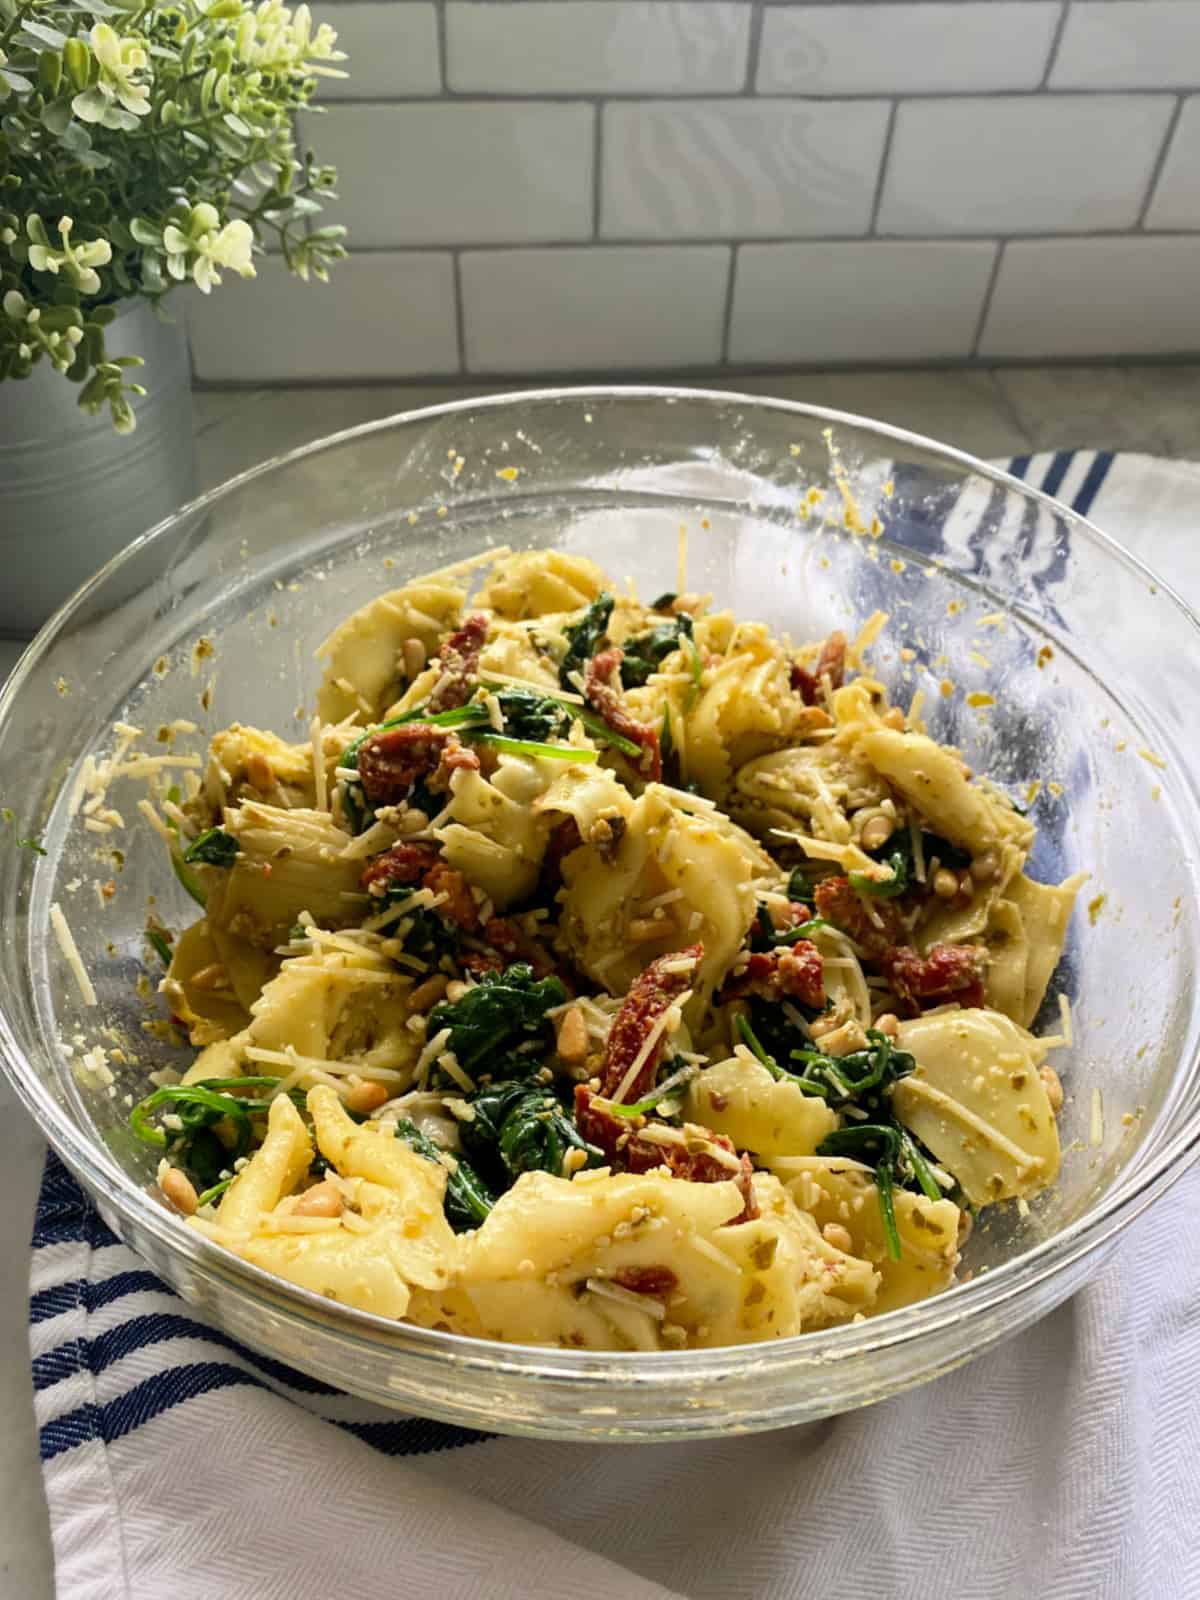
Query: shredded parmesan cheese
[
  {"x": 1096, "y": 1132},
  {"x": 318, "y": 765},
  {"x": 1064, "y": 1011},
  {"x": 70, "y": 950}
]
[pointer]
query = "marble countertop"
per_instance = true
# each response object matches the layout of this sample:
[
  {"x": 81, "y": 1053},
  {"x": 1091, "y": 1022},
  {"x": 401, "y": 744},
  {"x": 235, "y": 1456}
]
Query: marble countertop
[{"x": 988, "y": 412}]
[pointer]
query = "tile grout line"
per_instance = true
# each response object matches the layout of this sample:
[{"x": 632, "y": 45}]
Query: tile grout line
[
  {"x": 1159, "y": 164},
  {"x": 439, "y": 26},
  {"x": 723, "y": 376},
  {"x": 708, "y": 241},
  {"x": 1006, "y": 402},
  {"x": 986, "y": 307},
  {"x": 667, "y": 97},
  {"x": 597, "y": 170},
  {"x": 727, "y": 315},
  {"x": 1056, "y": 41},
  {"x": 460, "y": 314},
  {"x": 885, "y": 157},
  {"x": 753, "y": 46}
]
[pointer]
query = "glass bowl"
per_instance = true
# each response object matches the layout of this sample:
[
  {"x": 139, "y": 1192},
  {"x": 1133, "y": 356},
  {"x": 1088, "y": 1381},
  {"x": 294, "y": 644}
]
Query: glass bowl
[{"x": 804, "y": 518}]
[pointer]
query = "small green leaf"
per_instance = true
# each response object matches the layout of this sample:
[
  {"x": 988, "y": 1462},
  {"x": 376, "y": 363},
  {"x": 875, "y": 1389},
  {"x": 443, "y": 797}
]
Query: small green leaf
[
  {"x": 145, "y": 232},
  {"x": 43, "y": 33}
]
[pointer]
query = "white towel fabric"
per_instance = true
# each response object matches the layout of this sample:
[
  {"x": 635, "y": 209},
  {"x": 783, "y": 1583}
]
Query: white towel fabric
[{"x": 1064, "y": 1464}]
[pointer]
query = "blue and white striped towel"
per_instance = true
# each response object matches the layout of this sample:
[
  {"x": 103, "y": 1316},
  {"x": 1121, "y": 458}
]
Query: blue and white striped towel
[{"x": 180, "y": 1466}]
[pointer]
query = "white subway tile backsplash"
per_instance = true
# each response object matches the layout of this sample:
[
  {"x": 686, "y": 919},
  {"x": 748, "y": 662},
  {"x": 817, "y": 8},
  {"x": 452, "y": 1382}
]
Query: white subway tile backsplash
[
  {"x": 1083, "y": 297},
  {"x": 863, "y": 302},
  {"x": 597, "y": 46},
  {"x": 462, "y": 172},
  {"x": 1176, "y": 202},
  {"x": 1022, "y": 163},
  {"x": 392, "y": 51},
  {"x": 906, "y": 49},
  {"x": 739, "y": 168},
  {"x": 1129, "y": 44},
  {"x": 379, "y": 316},
  {"x": 594, "y": 309}
]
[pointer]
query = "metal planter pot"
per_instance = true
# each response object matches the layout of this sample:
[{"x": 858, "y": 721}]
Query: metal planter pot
[{"x": 72, "y": 491}]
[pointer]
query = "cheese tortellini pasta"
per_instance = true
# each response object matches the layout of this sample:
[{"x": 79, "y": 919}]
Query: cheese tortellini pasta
[{"x": 602, "y": 975}]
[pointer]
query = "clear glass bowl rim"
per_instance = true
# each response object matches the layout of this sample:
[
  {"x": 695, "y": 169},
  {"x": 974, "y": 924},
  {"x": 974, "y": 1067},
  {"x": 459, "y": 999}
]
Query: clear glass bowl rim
[{"x": 1133, "y": 1190}]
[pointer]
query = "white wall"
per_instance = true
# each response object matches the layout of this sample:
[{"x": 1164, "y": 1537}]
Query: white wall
[{"x": 634, "y": 185}]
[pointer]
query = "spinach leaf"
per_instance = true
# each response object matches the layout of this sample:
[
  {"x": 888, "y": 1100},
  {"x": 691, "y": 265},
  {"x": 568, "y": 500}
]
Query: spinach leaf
[
  {"x": 898, "y": 1162},
  {"x": 862, "y": 1078},
  {"x": 519, "y": 1127},
  {"x": 532, "y": 716},
  {"x": 897, "y": 853},
  {"x": 584, "y": 638},
  {"x": 504, "y": 1009},
  {"x": 648, "y": 651},
  {"x": 214, "y": 848},
  {"x": 468, "y": 1199},
  {"x": 764, "y": 935}
]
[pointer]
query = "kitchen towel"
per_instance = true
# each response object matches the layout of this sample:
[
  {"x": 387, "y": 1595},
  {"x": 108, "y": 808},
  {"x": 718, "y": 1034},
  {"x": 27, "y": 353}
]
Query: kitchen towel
[{"x": 180, "y": 1466}]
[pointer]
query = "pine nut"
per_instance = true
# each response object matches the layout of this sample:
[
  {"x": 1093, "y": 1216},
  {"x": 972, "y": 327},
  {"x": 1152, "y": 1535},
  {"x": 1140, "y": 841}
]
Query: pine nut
[
  {"x": 877, "y": 831},
  {"x": 365, "y": 1098},
  {"x": 428, "y": 993},
  {"x": 833, "y": 1233},
  {"x": 841, "y": 1041},
  {"x": 455, "y": 990},
  {"x": 643, "y": 929},
  {"x": 322, "y": 1200},
  {"x": 177, "y": 1187},
  {"x": 413, "y": 652},
  {"x": 1053, "y": 1086},
  {"x": 945, "y": 883},
  {"x": 572, "y": 1042},
  {"x": 888, "y": 1025},
  {"x": 986, "y": 867},
  {"x": 260, "y": 774}
]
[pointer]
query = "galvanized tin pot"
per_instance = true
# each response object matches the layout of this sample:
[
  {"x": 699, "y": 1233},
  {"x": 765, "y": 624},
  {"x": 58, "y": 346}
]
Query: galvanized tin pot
[{"x": 72, "y": 491}]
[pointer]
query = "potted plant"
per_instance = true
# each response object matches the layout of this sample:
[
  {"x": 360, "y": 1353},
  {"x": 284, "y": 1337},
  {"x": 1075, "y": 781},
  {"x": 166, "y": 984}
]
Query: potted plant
[{"x": 143, "y": 145}]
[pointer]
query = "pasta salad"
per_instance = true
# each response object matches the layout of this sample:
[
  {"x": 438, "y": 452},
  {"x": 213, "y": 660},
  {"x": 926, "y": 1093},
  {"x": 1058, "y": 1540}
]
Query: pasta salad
[{"x": 602, "y": 974}]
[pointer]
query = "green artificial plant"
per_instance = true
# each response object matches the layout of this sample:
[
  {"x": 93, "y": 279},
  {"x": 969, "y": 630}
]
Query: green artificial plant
[{"x": 143, "y": 145}]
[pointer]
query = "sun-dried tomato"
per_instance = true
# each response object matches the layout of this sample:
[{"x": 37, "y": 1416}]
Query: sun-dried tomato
[
  {"x": 650, "y": 995},
  {"x": 627, "y": 1149},
  {"x": 511, "y": 940},
  {"x": 391, "y": 760},
  {"x": 831, "y": 663},
  {"x": 402, "y": 864},
  {"x": 792, "y": 972},
  {"x": 875, "y": 928},
  {"x": 601, "y": 687},
  {"x": 657, "y": 1281},
  {"x": 459, "y": 905},
  {"x": 948, "y": 972},
  {"x": 564, "y": 837},
  {"x": 455, "y": 757},
  {"x": 459, "y": 661}
]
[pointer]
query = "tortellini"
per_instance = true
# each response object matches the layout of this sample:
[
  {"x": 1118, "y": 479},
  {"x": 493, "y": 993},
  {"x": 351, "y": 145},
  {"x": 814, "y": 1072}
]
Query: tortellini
[
  {"x": 363, "y": 656},
  {"x": 676, "y": 877},
  {"x": 288, "y": 862},
  {"x": 762, "y": 1114},
  {"x": 490, "y": 830},
  {"x": 538, "y": 583},
  {"x": 840, "y": 1195},
  {"x": 567, "y": 1263},
  {"x": 977, "y": 1102},
  {"x": 383, "y": 1233}
]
